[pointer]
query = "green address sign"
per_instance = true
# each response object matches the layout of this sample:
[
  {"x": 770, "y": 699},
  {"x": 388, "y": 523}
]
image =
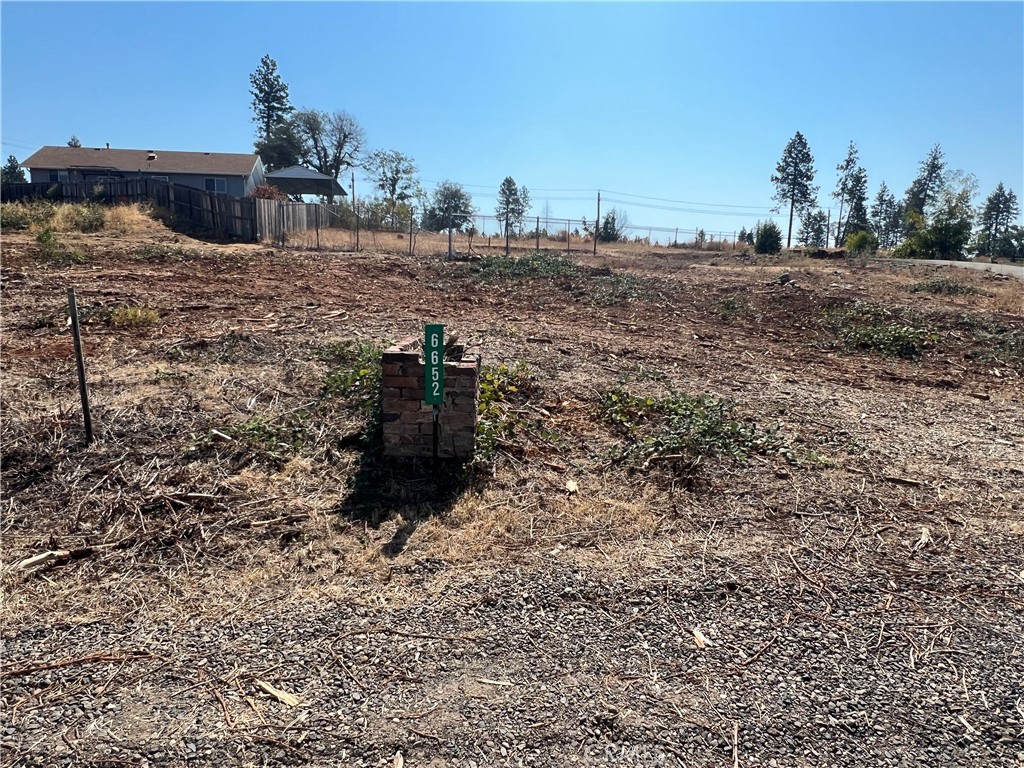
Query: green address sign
[{"x": 433, "y": 354}]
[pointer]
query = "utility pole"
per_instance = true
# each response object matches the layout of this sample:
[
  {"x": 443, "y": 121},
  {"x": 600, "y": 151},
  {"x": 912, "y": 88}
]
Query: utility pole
[
  {"x": 538, "y": 234},
  {"x": 412, "y": 218},
  {"x": 828, "y": 227},
  {"x": 355, "y": 209},
  {"x": 597, "y": 221}
]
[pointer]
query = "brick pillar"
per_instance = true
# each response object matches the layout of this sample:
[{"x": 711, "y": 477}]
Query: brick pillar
[{"x": 408, "y": 421}]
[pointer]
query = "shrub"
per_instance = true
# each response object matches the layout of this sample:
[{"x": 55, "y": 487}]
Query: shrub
[
  {"x": 859, "y": 243},
  {"x": 52, "y": 249},
  {"x": 767, "y": 237},
  {"x": 21, "y": 216},
  {"x": 73, "y": 217},
  {"x": 869, "y": 327},
  {"x": 942, "y": 286},
  {"x": 503, "y": 422},
  {"x": 133, "y": 317},
  {"x": 682, "y": 427},
  {"x": 355, "y": 373}
]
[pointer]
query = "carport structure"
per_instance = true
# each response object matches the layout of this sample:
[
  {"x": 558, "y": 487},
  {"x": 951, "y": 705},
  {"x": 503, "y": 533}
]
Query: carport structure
[{"x": 299, "y": 180}]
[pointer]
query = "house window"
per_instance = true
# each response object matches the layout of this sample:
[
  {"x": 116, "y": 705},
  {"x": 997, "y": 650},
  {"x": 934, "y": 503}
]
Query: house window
[
  {"x": 159, "y": 178},
  {"x": 58, "y": 176},
  {"x": 216, "y": 185}
]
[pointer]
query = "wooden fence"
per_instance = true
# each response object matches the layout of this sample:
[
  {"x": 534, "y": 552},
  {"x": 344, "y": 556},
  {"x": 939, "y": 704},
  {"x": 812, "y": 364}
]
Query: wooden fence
[
  {"x": 224, "y": 214},
  {"x": 277, "y": 218}
]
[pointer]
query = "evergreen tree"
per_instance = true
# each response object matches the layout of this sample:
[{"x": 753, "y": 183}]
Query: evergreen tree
[
  {"x": 282, "y": 149},
  {"x": 767, "y": 237},
  {"x": 845, "y": 170},
  {"x": 857, "y": 192},
  {"x": 73, "y": 142},
  {"x": 995, "y": 221},
  {"x": 513, "y": 205},
  {"x": 613, "y": 229},
  {"x": 12, "y": 172},
  {"x": 925, "y": 189},
  {"x": 947, "y": 233},
  {"x": 885, "y": 218},
  {"x": 270, "y": 104},
  {"x": 794, "y": 177},
  {"x": 813, "y": 228}
]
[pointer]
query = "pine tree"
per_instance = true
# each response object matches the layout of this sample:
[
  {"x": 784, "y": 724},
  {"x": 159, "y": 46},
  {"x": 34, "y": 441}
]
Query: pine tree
[
  {"x": 270, "y": 104},
  {"x": 73, "y": 142},
  {"x": 995, "y": 221},
  {"x": 857, "y": 194},
  {"x": 813, "y": 228},
  {"x": 12, "y": 172},
  {"x": 794, "y": 177},
  {"x": 925, "y": 189},
  {"x": 513, "y": 205},
  {"x": 282, "y": 149},
  {"x": 845, "y": 170},
  {"x": 885, "y": 218}
]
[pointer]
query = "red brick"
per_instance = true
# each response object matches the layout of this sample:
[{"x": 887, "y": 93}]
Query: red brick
[{"x": 399, "y": 382}]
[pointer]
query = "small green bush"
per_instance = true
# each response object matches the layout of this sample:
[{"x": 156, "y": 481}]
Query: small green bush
[
  {"x": 600, "y": 287},
  {"x": 53, "y": 250},
  {"x": 681, "y": 426},
  {"x": 503, "y": 423},
  {"x": 21, "y": 216},
  {"x": 859, "y": 243},
  {"x": 133, "y": 317},
  {"x": 355, "y": 373},
  {"x": 88, "y": 218},
  {"x": 732, "y": 308},
  {"x": 875, "y": 329},
  {"x": 942, "y": 286},
  {"x": 767, "y": 237},
  {"x": 275, "y": 440}
]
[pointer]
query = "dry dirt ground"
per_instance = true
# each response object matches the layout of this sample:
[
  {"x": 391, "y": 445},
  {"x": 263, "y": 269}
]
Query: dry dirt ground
[{"x": 845, "y": 591}]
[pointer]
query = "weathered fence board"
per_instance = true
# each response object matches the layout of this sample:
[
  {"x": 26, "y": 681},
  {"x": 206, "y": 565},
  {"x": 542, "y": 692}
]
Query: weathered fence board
[{"x": 224, "y": 214}]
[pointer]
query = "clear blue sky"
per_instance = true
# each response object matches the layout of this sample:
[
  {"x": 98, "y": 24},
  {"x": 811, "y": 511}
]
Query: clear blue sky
[{"x": 681, "y": 101}]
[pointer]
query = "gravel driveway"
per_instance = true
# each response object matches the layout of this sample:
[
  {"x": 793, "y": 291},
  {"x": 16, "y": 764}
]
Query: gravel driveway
[{"x": 554, "y": 661}]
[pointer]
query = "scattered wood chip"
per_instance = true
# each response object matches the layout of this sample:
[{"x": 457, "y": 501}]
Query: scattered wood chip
[
  {"x": 283, "y": 696},
  {"x": 538, "y": 339},
  {"x": 572, "y": 486},
  {"x": 700, "y": 639},
  {"x": 399, "y": 761},
  {"x": 926, "y": 537},
  {"x": 487, "y": 681},
  {"x": 902, "y": 480},
  {"x": 980, "y": 395},
  {"x": 218, "y": 435},
  {"x": 42, "y": 558}
]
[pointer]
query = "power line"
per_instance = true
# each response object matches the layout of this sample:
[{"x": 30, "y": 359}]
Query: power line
[
  {"x": 685, "y": 202},
  {"x": 700, "y": 211}
]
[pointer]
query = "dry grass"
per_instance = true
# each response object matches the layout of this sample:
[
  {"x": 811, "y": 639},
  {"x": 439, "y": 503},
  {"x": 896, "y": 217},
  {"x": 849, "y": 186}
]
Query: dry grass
[
  {"x": 1008, "y": 298},
  {"x": 129, "y": 218}
]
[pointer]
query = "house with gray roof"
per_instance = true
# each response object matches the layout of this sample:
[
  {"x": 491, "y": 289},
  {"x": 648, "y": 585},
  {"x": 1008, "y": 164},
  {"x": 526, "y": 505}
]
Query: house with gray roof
[{"x": 223, "y": 172}]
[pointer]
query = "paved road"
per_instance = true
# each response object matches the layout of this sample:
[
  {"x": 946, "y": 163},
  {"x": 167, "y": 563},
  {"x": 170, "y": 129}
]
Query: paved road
[{"x": 1014, "y": 270}]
